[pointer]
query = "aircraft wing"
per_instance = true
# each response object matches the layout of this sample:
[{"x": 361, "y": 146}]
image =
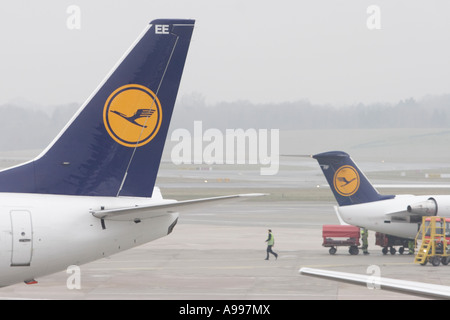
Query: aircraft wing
[
  {"x": 372, "y": 282},
  {"x": 151, "y": 211}
]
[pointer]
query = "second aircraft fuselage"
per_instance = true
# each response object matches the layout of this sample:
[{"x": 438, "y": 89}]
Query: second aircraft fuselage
[{"x": 381, "y": 216}]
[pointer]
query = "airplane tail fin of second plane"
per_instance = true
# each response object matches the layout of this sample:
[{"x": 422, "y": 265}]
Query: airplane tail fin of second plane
[
  {"x": 113, "y": 145},
  {"x": 346, "y": 180}
]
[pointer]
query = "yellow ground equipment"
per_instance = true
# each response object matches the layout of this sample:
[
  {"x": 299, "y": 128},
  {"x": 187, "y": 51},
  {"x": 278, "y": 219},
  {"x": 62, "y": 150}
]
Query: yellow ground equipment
[{"x": 435, "y": 237}]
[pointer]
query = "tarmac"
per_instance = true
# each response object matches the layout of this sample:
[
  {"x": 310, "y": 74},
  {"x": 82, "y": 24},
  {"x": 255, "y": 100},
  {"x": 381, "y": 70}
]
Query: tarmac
[{"x": 219, "y": 254}]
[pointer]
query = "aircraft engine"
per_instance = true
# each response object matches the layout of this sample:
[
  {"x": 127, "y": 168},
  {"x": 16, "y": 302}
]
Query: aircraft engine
[{"x": 434, "y": 206}]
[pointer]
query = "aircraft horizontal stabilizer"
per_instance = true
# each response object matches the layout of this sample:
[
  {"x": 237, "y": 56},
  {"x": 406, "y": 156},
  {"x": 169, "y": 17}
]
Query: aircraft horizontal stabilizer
[
  {"x": 373, "y": 282},
  {"x": 152, "y": 211}
]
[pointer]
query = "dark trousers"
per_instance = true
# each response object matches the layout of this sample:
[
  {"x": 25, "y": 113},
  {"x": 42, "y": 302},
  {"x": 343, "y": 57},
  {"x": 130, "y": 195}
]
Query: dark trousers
[{"x": 269, "y": 250}]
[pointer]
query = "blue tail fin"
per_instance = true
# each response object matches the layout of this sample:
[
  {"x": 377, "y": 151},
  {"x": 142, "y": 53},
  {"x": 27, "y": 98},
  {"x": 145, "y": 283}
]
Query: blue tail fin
[
  {"x": 113, "y": 145},
  {"x": 348, "y": 183}
]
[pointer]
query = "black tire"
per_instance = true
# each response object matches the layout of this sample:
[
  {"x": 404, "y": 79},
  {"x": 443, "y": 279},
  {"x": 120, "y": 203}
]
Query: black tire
[
  {"x": 435, "y": 261},
  {"x": 353, "y": 250}
]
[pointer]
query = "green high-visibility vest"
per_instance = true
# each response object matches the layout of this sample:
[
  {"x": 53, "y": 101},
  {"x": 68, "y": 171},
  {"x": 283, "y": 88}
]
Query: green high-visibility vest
[{"x": 271, "y": 241}]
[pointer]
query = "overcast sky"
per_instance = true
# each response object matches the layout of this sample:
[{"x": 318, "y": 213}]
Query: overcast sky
[{"x": 256, "y": 50}]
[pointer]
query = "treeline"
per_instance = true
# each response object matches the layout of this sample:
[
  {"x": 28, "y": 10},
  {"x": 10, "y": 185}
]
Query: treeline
[
  {"x": 30, "y": 128},
  {"x": 429, "y": 112},
  {"x": 33, "y": 128}
]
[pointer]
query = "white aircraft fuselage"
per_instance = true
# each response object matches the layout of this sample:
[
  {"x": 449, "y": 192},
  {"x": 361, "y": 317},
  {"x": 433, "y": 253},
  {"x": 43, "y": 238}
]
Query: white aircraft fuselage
[
  {"x": 38, "y": 239},
  {"x": 377, "y": 216}
]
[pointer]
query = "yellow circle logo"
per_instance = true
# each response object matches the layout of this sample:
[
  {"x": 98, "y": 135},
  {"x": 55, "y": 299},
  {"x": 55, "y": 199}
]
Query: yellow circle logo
[
  {"x": 346, "y": 181},
  {"x": 132, "y": 115}
]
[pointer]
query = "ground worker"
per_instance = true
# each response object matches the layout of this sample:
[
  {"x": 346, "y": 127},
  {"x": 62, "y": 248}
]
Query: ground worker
[
  {"x": 364, "y": 238},
  {"x": 411, "y": 246},
  {"x": 270, "y": 243}
]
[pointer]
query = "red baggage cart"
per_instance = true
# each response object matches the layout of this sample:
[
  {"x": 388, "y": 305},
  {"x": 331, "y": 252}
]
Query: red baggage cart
[
  {"x": 337, "y": 236},
  {"x": 387, "y": 242}
]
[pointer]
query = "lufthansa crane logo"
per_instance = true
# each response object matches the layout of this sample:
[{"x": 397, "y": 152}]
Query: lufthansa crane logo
[
  {"x": 132, "y": 115},
  {"x": 346, "y": 181}
]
